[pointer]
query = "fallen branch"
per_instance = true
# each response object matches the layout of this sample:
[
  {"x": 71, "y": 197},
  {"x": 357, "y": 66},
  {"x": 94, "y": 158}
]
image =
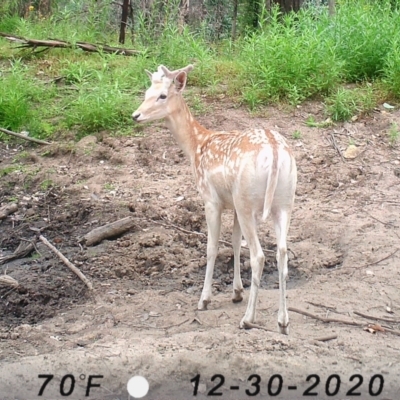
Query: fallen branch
[
  {"x": 7, "y": 280},
  {"x": 7, "y": 210},
  {"x": 340, "y": 321},
  {"x": 19, "y": 135},
  {"x": 111, "y": 230},
  {"x": 94, "y": 48},
  {"x": 20, "y": 252},
  {"x": 393, "y": 321},
  {"x": 67, "y": 262}
]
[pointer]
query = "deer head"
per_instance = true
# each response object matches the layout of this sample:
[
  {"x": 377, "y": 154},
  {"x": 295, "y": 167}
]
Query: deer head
[{"x": 160, "y": 98}]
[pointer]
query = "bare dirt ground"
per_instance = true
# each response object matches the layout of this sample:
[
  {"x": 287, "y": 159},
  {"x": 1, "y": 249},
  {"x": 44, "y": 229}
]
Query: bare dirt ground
[{"x": 141, "y": 318}]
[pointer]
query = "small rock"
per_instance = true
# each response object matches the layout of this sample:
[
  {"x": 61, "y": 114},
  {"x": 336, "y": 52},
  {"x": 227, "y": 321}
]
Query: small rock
[
  {"x": 154, "y": 314},
  {"x": 30, "y": 212},
  {"x": 396, "y": 172},
  {"x": 23, "y": 328},
  {"x": 351, "y": 152}
]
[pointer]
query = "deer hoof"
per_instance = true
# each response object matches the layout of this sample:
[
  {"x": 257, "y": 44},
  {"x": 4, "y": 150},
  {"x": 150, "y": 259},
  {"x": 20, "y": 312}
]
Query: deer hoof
[
  {"x": 284, "y": 329},
  {"x": 245, "y": 324},
  {"x": 237, "y": 296},
  {"x": 203, "y": 304}
]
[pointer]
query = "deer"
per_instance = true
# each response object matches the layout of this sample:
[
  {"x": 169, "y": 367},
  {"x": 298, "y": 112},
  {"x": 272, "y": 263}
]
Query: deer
[{"x": 252, "y": 172}]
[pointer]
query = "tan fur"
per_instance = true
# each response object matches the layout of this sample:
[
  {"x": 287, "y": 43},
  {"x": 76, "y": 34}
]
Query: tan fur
[{"x": 251, "y": 171}]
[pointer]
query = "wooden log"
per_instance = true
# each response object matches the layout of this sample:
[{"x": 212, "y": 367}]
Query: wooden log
[
  {"x": 7, "y": 210},
  {"x": 111, "y": 230}
]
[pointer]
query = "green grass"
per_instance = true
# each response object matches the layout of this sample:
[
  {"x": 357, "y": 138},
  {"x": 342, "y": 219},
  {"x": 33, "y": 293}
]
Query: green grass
[
  {"x": 363, "y": 33},
  {"x": 345, "y": 104},
  {"x": 288, "y": 59},
  {"x": 296, "y": 135},
  {"x": 8, "y": 170}
]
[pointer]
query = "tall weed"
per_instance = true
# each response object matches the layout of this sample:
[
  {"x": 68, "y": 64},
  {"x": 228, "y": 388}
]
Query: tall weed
[
  {"x": 347, "y": 103},
  {"x": 363, "y": 31},
  {"x": 391, "y": 69},
  {"x": 19, "y": 98},
  {"x": 288, "y": 60}
]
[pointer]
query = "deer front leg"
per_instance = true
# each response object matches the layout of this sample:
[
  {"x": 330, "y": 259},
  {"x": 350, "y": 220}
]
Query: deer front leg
[
  {"x": 237, "y": 280},
  {"x": 213, "y": 217}
]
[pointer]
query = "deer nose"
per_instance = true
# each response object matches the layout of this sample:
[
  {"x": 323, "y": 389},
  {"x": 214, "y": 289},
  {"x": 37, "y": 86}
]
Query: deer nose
[{"x": 135, "y": 116}]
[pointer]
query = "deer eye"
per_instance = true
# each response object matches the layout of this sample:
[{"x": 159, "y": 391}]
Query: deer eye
[{"x": 163, "y": 96}]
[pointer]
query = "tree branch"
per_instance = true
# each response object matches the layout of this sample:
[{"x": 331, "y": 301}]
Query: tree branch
[{"x": 19, "y": 135}]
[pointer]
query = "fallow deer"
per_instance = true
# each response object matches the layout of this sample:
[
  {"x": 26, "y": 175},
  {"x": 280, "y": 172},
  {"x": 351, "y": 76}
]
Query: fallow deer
[{"x": 252, "y": 172}]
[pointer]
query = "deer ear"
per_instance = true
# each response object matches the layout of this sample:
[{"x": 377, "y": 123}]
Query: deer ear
[
  {"x": 188, "y": 68},
  {"x": 149, "y": 74},
  {"x": 180, "y": 81}
]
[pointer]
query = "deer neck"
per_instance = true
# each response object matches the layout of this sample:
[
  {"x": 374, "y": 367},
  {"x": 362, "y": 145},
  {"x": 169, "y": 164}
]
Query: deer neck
[{"x": 187, "y": 131}]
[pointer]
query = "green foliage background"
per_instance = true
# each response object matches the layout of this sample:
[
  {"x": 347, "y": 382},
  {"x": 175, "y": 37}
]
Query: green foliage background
[{"x": 280, "y": 58}]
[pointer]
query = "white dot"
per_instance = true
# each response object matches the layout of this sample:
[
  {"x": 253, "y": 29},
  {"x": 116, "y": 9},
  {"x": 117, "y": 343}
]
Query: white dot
[{"x": 138, "y": 387}]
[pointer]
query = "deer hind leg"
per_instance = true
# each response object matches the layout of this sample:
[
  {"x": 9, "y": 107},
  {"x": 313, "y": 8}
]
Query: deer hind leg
[
  {"x": 237, "y": 280},
  {"x": 281, "y": 218},
  {"x": 249, "y": 228},
  {"x": 213, "y": 217}
]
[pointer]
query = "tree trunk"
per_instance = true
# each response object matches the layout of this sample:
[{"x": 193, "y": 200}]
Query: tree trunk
[
  {"x": 332, "y": 7},
  {"x": 234, "y": 19},
  {"x": 289, "y": 5},
  {"x": 124, "y": 20},
  {"x": 183, "y": 13}
]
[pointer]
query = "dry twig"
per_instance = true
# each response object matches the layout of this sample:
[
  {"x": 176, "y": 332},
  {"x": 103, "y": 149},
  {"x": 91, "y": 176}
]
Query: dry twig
[
  {"x": 335, "y": 146},
  {"x": 378, "y": 220},
  {"x": 392, "y": 321},
  {"x": 19, "y": 135},
  {"x": 67, "y": 262},
  {"x": 325, "y": 338},
  {"x": 378, "y": 261},
  {"x": 340, "y": 321}
]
